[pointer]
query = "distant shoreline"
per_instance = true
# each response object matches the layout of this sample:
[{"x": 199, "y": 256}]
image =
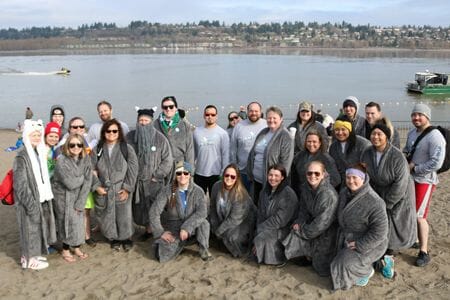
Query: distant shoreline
[{"x": 339, "y": 52}]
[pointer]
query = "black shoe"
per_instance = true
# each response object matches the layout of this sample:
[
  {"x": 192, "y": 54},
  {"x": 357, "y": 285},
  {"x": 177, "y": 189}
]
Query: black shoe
[
  {"x": 303, "y": 261},
  {"x": 91, "y": 242},
  {"x": 144, "y": 237},
  {"x": 127, "y": 245},
  {"x": 423, "y": 259},
  {"x": 115, "y": 245}
]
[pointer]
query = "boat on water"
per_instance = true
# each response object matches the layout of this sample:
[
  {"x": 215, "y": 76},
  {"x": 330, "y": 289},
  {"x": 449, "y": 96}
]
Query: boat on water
[
  {"x": 429, "y": 83},
  {"x": 63, "y": 71}
]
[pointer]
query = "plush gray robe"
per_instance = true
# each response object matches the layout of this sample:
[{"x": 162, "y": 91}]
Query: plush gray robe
[
  {"x": 158, "y": 164},
  {"x": 276, "y": 212},
  {"x": 174, "y": 219},
  {"x": 344, "y": 160},
  {"x": 392, "y": 181},
  {"x": 71, "y": 185},
  {"x": 36, "y": 221},
  {"x": 318, "y": 227},
  {"x": 114, "y": 174},
  {"x": 362, "y": 218},
  {"x": 299, "y": 166},
  {"x": 300, "y": 134},
  {"x": 237, "y": 226},
  {"x": 279, "y": 150},
  {"x": 181, "y": 140}
]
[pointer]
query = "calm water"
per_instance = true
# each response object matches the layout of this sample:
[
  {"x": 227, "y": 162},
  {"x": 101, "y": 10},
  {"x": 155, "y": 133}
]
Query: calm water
[{"x": 198, "y": 79}]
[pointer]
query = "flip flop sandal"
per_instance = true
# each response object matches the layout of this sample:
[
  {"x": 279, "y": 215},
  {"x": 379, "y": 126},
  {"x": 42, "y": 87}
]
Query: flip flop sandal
[{"x": 69, "y": 258}]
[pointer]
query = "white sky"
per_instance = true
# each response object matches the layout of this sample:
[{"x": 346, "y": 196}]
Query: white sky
[{"x": 72, "y": 13}]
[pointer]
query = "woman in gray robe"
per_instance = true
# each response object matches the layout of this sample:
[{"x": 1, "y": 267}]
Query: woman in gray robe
[
  {"x": 347, "y": 147},
  {"x": 71, "y": 185},
  {"x": 313, "y": 235},
  {"x": 178, "y": 216},
  {"x": 363, "y": 231},
  {"x": 233, "y": 213},
  {"x": 116, "y": 166},
  {"x": 33, "y": 198},
  {"x": 391, "y": 179},
  {"x": 315, "y": 150},
  {"x": 276, "y": 211},
  {"x": 155, "y": 165}
]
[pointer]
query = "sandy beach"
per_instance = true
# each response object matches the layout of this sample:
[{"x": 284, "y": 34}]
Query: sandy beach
[{"x": 136, "y": 274}]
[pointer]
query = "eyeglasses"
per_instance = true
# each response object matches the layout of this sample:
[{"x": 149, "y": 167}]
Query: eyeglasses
[
  {"x": 233, "y": 118},
  {"x": 166, "y": 107},
  {"x": 77, "y": 126},
  {"x": 73, "y": 145},
  {"x": 185, "y": 173},
  {"x": 230, "y": 175},
  {"x": 310, "y": 173},
  {"x": 210, "y": 115},
  {"x": 112, "y": 131}
]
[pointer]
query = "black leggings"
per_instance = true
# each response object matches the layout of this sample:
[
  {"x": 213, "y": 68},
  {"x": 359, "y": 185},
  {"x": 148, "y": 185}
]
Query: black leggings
[{"x": 67, "y": 247}]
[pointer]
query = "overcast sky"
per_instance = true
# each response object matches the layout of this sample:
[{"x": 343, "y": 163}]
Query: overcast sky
[{"x": 72, "y": 13}]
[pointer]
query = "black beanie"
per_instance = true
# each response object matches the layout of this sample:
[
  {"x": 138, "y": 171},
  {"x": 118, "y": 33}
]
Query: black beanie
[
  {"x": 171, "y": 98},
  {"x": 383, "y": 128},
  {"x": 145, "y": 111}
]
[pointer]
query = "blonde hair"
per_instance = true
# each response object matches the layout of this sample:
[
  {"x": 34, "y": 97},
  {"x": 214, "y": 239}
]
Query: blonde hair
[{"x": 65, "y": 148}]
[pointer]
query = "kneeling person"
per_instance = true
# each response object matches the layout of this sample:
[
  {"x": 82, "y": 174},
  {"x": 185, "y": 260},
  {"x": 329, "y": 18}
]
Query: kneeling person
[{"x": 178, "y": 214}]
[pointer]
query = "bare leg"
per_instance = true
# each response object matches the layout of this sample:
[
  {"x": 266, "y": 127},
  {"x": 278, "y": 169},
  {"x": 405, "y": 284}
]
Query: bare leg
[
  {"x": 422, "y": 226},
  {"x": 87, "y": 223}
]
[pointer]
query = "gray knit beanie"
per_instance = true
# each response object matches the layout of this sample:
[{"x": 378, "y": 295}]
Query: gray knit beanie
[{"x": 422, "y": 109}]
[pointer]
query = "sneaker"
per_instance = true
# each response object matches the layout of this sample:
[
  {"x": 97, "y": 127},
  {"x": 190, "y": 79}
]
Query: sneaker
[
  {"x": 115, "y": 245},
  {"x": 387, "y": 269},
  {"x": 363, "y": 281},
  {"x": 127, "y": 245},
  {"x": 423, "y": 259},
  {"x": 205, "y": 255},
  {"x": 302, "y": 261},
  {"x": 36, "y": 264}
]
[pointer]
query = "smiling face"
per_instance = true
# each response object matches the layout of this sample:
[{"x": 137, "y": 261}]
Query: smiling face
[
  {"x": 58, "y": 116},
  {"x": 104, "y": 112},
  {"x": 312, "y": 143},
  {"x": 378, "y": 139},
  {"x": 273, "y": 120},
  {"x": 274, "y": 178},
  {"x": 341, "y": 134},
  {"x": 229, "y": 178},
  {"x": 254, "y": 112},
  {"x": 35, "y": 138},
  {"x": 419, "y": 120},
  {"x": 315, "y": 174},
  {"x": 305, "y": 115},
  {"x": 233, "y": 119},
  {"x": 112, "y": 134},
  {"x": 372, "y": 115},
  {"x": 353, "y": 182},
  {"x": 169, "y": 108},
  {"x": 350, "y": 111},
  {"x": 77, "y": 126},
  {"x": 51, "y": 139},
  {"x": 210, "y": 116},
  {"x": 183, "y": 178},
  {"x": 75, "y": 147}
]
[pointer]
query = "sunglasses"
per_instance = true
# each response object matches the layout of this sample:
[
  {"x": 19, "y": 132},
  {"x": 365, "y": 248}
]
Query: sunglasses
[
  {"x": 77, "y": 126},
  {"x": 230, "y": 175},
  {"x": 166, "y": 107},
  {"x": 112, "y": 131},
  {"x": 73, "y": 145},
  {"x": 310, "y": 173},
  {"x": 185, "y": 173},
  {"x": 210, "y": 115},
  {"x": 233, "y": 118}
]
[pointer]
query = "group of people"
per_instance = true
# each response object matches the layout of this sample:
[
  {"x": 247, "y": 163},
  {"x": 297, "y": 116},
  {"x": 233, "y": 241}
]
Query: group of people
[{"x": 343, "y": 203}]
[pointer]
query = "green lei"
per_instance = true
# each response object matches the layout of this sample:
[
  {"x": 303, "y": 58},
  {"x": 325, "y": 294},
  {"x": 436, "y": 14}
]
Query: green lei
[{"x": 172, "y": 124}]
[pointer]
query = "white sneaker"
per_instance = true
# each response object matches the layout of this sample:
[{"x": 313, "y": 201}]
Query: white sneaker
[{"x": 35, "y": 264}]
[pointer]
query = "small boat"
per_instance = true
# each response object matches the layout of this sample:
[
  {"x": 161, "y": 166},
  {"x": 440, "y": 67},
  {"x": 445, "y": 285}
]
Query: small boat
[
  {"x": 63, "y": 71},
  {"x": 429, "y": 83}
]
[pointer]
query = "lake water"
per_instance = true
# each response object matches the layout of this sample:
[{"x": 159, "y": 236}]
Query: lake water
[{"x": 226, "y": 80}]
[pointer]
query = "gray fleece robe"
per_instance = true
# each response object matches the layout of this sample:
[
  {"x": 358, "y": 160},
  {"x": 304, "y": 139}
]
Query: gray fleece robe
[
  {"x": 318, "y": 227},
  {"x": 181, "y": 140},
  {"x": 391, "y": 179},
  {"x": 157, "y": 164},
  {"x": 163, "y": 218},
  {"x": 236, "y": 225},
  {"x": 36, "y": 220},
  {"x": 71, "y": 184},
  {"x": 276, "y": 212},
  {"x": 347, "y": 158},
  {"x": 362, "y": 218},
  {"x": 280, "y": 149},
  {"x": 115, "y": 173},
  {"x": 300, "y": 163}
]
